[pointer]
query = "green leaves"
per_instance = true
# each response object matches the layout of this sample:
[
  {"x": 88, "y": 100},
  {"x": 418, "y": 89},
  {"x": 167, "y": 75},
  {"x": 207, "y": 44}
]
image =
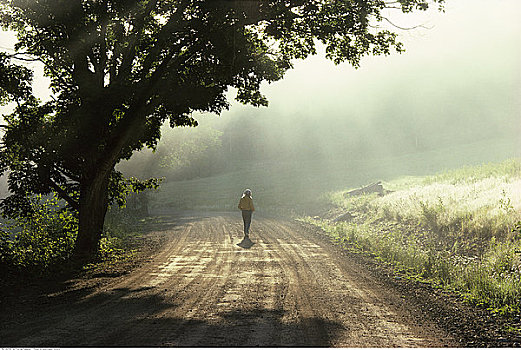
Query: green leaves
[
  {"x": 120, "y": 68},
  {"x": 40, "y": 239},
  {"x": 120, "y": 187},
  {"x": 422, "y": 5},
  {"x": 15, "y": 81}
]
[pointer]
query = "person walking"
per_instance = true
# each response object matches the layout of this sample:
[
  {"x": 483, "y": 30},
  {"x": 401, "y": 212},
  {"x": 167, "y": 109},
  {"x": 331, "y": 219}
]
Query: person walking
[{"x": 246, "y": 205}]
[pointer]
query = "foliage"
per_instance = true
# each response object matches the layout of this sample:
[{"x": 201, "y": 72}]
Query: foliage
[
  {"x": 120, "y": 190},
  {"x": 517, "y": 229},
  {"x": 122, "y": 221},
  {"x": 16, "y": 81},
  {"x": 184, "y": 150},
  {"x": 120, "y": 69},
  {"x": 41, "y": 241},
  {"x": 181, "y": 153}
]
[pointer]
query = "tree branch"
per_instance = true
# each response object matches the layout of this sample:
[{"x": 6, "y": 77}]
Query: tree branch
[
  {"x": 130, "y": 125},
  {"x": 64, "y": 195},
  {"x": 129, "y": 54},
  {"x": 406, "y": 28},
  {"x": 77, "y": 31},
  {"x": 15, "y": 56},
  {"x": 68, "y": 174}
]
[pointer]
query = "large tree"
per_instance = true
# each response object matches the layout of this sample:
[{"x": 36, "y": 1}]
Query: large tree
[{"x": 120, "y": 68}]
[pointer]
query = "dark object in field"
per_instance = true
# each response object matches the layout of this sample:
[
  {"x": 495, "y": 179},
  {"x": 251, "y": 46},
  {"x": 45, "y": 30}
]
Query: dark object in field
[
  {"x": 347, "y": 217},
  {"x": 372, "y": 188}
]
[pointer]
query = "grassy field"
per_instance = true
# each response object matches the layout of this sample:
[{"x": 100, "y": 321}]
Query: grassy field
[
  {"x": 296, "y": 186},
  {"x": 458, "y": 229}
]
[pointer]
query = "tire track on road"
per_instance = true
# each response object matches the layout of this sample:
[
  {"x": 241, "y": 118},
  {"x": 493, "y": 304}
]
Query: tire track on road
[
  {"x": 203, "y": 289},
  {"x": 337, "y": 298}
]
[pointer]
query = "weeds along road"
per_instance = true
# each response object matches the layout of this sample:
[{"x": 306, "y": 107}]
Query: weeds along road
[{"x": 205, "y": 288}]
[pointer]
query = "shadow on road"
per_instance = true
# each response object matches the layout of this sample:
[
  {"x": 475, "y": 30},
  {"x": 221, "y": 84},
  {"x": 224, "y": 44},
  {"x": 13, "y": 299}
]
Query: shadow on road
[
  {"x": 246, "y": 243},
  {"x": 134, "y": 313},
  {"x": 151, "y": 317},
  {"x": 253, "y": 328}
]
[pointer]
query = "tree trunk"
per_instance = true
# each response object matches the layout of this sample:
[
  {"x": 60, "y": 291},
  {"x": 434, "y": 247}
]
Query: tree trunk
[{"x": 93, "y": 207}]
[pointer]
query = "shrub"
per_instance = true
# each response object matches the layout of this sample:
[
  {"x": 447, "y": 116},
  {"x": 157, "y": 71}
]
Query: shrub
[{"x": 39, "y": 241}]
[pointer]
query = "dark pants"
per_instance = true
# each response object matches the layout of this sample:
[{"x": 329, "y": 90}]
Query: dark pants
[{"x": 246, "y": 217}]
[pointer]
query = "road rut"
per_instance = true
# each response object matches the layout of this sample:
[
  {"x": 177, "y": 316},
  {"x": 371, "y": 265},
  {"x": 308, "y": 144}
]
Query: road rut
[{"x": 209, "y": 287}]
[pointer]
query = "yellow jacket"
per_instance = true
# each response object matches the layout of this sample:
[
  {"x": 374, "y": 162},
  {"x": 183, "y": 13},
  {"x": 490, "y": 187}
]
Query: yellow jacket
[{"x": 246, "y": 203}]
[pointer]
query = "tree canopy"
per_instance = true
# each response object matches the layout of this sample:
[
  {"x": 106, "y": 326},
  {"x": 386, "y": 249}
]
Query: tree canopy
[{"x": 119, "y": 69}]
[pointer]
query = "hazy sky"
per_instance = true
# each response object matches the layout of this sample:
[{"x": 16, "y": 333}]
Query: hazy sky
[
  {"x": 472, "y": 38},
  {"x": 458, "y": 82},
  {"x": 472, "y": 50}
]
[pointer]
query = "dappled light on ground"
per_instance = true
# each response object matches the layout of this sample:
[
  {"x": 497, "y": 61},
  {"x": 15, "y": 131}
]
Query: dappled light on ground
[{"x": 211, "y": 287}]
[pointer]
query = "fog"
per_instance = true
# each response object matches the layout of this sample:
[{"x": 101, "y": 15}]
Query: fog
[
  {"x": 452, "y": 99},
  {"x": 458, "y": 83}
]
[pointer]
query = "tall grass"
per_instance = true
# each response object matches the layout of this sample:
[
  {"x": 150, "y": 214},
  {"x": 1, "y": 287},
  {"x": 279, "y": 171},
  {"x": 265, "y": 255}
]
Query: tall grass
[
  {"x": 459, "y": 229},
  {"x": 475, "y": 211}
]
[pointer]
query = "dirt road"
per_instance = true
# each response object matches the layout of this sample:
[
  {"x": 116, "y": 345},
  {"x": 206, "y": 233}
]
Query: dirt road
[{"x": 205, "y": 287}]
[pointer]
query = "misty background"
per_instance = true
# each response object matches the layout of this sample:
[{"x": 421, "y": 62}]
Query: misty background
[{"x": 452, "y": 99}]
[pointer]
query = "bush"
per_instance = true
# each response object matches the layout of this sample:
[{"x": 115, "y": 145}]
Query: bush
[{"x": 39, "y": 241}]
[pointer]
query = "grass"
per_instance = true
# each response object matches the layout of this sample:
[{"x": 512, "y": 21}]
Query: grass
[
  {"x": 456, "y": 229},
  {"x": 293, "y": 186},
  {"x": 473, "y": 211}
]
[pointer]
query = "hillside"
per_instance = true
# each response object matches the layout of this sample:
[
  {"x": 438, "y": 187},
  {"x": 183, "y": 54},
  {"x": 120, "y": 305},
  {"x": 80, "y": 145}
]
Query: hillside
[
  {"x": 305, "y": 182},
  {"x": 458, "y": 230}
]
